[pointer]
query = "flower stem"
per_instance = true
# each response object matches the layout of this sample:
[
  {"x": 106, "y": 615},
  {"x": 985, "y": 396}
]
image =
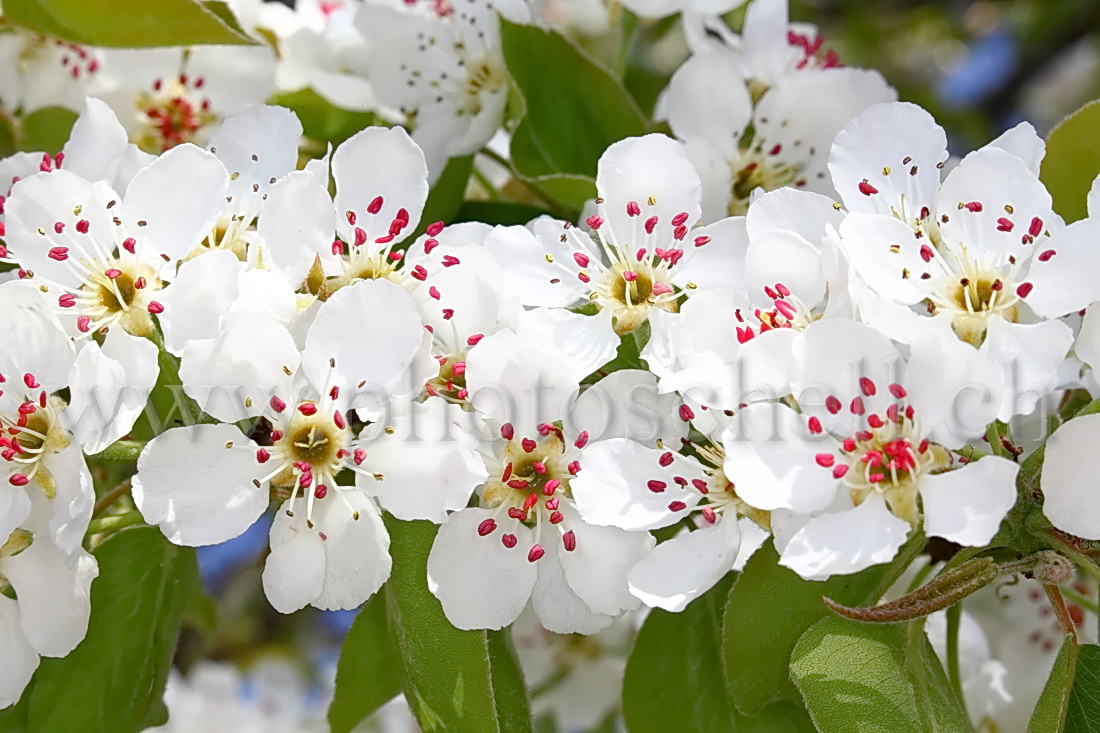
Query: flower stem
[
  {"x": 115, "y": 522},
  {"x": 111, "y": 497},
  {"x": 124, "y": 451},
  {"x": 954, "y": 616},
  {"x": 170, "y": 377}
]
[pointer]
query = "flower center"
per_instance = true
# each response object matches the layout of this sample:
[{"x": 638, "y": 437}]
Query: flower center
[
  {"x": 974, "y": 295},
  {"x": 29, "y": 436},
  {"x": 754, "y": 169},
  {"x": 173, "y": 112},
  {"x": 114, "y": 291},
  {"x": 450, "y": 383},
  {"x": 483, "y": 76}
]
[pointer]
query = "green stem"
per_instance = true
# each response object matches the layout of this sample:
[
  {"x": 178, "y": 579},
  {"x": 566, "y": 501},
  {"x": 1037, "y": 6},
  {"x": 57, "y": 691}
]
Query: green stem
[
  {"x": 115, "y": 522},
  {"x": 954, "y": 616},
  {"x": 1083, "y": 601},
  {"x": 994, "y": 433},
  {"x": 543, "y": 200},
  {"x": 485, "y": 183},
  {"x": 628, "y": 31},
  {"x": 123, "y": 451},
  {"x": 111, "y": 497},
  {"x": 170, "y": 377}
]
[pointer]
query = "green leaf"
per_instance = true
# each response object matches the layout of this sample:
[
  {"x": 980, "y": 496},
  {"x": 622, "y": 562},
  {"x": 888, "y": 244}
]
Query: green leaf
[
  {"x": 874, "y": 679},
  {"x": 46, "y": 130},
  {"x": 570, "y": 116},
  {"x": 323, "y": 121},
  {"x": 768, "y": 609},
  {"x": 674, "y": 676},
  {"x": 504, "y": 213},
  {"x": 454, "y": 680},
  {"x": 445, "y": 198},
  {"x": 129, "y": 23},
  {"x": 116, "y": 677},
  {"x": 1049, "y": 715},
  {"x": 1072, "y": 161},
  {"x": 367, "y": 675},
  {"x": 1083, "y": 715}
]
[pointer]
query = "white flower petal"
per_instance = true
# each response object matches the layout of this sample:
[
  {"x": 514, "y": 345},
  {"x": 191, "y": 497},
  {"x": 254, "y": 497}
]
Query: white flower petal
[
  {"x": 54, "y": 599},
  {"x": 596, "y": 569},
  {"x": 357, "y": 551},
  {"x": 294, "y": 572},
  {"x": 481, "y": 583},
  {"x": 557, "y": 606},
  {"x": 967, "y": 505},
  {"x": 201, "y": 292},
  {"x": 20, "y": 658},
  {"x": 298, "y": 225},
  {"x": 683, "y": 568},
  {"x": 1068, "y": 477},
  {"x": 199, "y": 491},
  {"x": 1062, "y": 275},
  {"x": 257, "y": 146},
  {"x": 96, "y": 143}
]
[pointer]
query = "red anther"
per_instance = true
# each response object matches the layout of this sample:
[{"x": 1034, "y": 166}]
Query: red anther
[
  {"x": 338, "y": 419},
  {"x": 486, "y": 527},
  {"x": 83, "y": 324},
  {"x": 518, "y": 483},
  {"x": 832, "y": 404},
  {"x": 59, "y": 254},
  {"x": 507, "y": 431},
  {"x": 1045, "y": 256},
  {"x": 352, "y": 218},
  {"x": 857, "y": 407},
  {"x": 154, "y": 307},
  {"x": 574, "y": 468},
  {"x": 814, "y": 425},
  {"x": 582, "y": 439},
  {"x": 1036, "y": 227},
  {"x": 360, "y": 237},
  {"x": 58, "y": 227},
  {"x": 28, "y": 379},
  {"x": 927, "y": 253},
  {"x": 595, "y": 222},
  {"x": 82, "y": 226},
  {"x": 262, "y": 455},
  {"x": 551, "y": 486},
  {"x": 459, "y": 368},
  {"x": 375, "y": 206},
  {"x": 893, "y": 413},
  {"x": 277, "y": 404},
  {"x": 552, "y": 504},
  {"x": 897, "y": 390},
  {"x": 633, "y": 209},
  {"x": 334, "y": 393},
  {"x": 630, "y": 276},
  {"x": 1024, "y": 289},
  {"x": 583, "y": 278},
  {"x": 535, "y": 553},
  {"x": 700, "y": 241},
  {"x": 666, "y": 459},
  {"x": 129, "y": 244},
  {"x": 528, "y": 445},
  {"x": 396, "y": 257},
  {"x": 686, "y": 413},
  {"x": 434, "y": 292},
  {"x": 825, "y": 460},
  {"x": 974, "y": 206},
  {"x": 540, "y": 468},
  {"x": 140, "y": 283},
  {"x": 434, "y": 229},
  {"x": 867, "y": 189},
  {"x": 875, "y": 478},
  {"x": 320, "y": 492},
  {"x": 867, "y": 386},
  {"x": 509, "y": 540},
  {"x": 677, "y": 506},
  {"x": 472, "y": 340},
  {"x": 768, "y": 291},
  {"x": 112, "y": 273},
  {"x": 640, "y": 254},
  {"x": 448, "y": 314},
  {"x": 839, "y": 470},
  {"x": 656, "y": 486},
  {"x": 517, "y": 513},
  {"x": 450, "y": 261},
  {"x": 776, "y": 149},
  {"x": 18, "y": 479},
  {"x": 530, "y": 501},
  {"x": 909, "y": 412},
  {"x": 923, "y": 446},
  {"x": 709, "y": 515},
  {"x": 276, "y": 435},
  {"x": 864, "y": 435},
  {"x": 1004, "y": 225},
  {"x": 875, "y": 421},
  {"x": 358, "y": 456},
  {"x": 305, "y": 480},
  {"x": 429, "y": 245},
  {"x": 419, "y": 273},
  {"x": 569, "y": 541},
  {"x": 650, "y": 224},
  {"x": 507, "y": 473},
  {"x": 307, "y": 408},
  {"x": 679, "y": 218}
]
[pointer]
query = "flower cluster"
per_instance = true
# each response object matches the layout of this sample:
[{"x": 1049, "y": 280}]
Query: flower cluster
[{"x": 794, "y": 319}]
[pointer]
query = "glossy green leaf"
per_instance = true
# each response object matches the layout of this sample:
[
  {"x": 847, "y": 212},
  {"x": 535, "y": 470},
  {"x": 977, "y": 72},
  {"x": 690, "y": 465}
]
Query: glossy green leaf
[
  {"x": 129, "y": 23},
  {"x": 455, "y": 681},
  {"x": 674, "y": 676},
  {"x": 116, "y": 677},
  {"x": 321, "y": 120},
  {"x": 446, "y": 196},
  {"x": 570, "y": 116},
  {"x": 46, "y": 130},
  {"x": 1072, "y": 161},
  {"x": 1049, "y": 715},
  {"x": 368, "y": 674},
  {"x": 504, "y": 213},
  {"x": 1083, "y": 715},
  {"x": 768, "y": 609},
  {"x": 874, "y": 678}
]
